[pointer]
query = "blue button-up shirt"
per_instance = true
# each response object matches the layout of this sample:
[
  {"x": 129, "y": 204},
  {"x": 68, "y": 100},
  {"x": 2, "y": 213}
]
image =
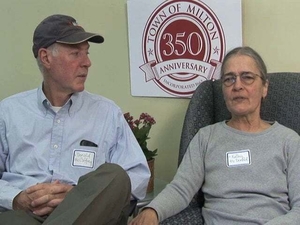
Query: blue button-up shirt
[{"x": 38, "y": 145}]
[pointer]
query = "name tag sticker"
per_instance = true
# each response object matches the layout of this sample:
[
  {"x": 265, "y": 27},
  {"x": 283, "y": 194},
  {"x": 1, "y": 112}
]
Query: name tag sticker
[
  {"x": 83, "y": 158},
  {"x": 238, "y": 158}
]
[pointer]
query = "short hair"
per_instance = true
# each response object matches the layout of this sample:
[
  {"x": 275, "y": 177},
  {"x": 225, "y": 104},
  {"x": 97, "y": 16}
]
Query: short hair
[
  {"x": 247, "y": 51},
  {"x": 54, "y": 50}
]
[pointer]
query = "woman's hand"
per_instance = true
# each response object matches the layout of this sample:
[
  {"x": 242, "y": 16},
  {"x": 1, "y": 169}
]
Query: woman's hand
[{"x": 147, "y": 217}]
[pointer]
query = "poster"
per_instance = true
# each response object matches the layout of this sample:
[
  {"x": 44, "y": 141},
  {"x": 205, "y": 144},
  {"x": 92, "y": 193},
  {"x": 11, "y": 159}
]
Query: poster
[{"x": 175, "y": 45}]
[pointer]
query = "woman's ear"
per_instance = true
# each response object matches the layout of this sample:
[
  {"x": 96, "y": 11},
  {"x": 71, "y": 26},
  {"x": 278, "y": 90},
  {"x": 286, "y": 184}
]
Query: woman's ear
[{"x": 265, "y": 89}]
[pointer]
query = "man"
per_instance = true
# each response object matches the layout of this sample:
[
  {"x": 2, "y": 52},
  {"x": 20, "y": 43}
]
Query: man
[{"x": 64, "y": 151}]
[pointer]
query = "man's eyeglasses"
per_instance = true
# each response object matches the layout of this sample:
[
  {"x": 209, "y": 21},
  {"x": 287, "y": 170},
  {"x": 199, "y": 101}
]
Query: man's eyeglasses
[{"x": 246, "y": 78}]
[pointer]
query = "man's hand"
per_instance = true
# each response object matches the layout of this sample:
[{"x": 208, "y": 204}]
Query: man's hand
[
  {"x": 146, "y": 217},
  {"x": 42, "y": 198},
  {"x": 22, "y": 202}
]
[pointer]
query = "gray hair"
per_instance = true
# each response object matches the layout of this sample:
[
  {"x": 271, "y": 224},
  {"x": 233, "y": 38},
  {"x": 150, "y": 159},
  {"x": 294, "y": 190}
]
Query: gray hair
[
  {"x": 247, "y": 51},
  {"x": 54, "y": 51}
]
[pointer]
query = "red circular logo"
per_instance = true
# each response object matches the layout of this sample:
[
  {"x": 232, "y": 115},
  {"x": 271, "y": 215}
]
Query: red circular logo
[{"x": 183, "y": 45}]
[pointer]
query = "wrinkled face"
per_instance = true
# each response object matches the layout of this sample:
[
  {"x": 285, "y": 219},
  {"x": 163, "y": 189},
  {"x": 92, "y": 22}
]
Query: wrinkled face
[
  {"x": 243, "y": 99},
  {"x": 68, "y": 68}
]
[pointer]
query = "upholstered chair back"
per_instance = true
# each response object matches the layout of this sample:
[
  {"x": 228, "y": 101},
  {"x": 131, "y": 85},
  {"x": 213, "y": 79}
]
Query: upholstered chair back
[{"x": 207, "y": 106}]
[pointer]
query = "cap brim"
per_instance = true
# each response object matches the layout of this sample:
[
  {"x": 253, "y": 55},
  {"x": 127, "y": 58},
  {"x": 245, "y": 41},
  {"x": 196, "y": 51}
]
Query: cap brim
[{"x": 80, "y": 37}]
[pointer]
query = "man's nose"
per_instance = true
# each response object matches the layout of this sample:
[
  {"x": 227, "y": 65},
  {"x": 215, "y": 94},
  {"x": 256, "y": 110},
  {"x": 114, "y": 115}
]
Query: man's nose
[{"x": 86, "y": 61}]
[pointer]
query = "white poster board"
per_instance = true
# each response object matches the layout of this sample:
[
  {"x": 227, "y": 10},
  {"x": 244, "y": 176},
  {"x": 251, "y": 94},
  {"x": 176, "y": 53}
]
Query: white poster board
[{"x": 175, "y": 45}]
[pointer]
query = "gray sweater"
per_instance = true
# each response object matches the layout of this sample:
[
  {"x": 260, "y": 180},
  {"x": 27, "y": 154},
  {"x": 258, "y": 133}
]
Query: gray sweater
[{"x": 247, "y": 178}]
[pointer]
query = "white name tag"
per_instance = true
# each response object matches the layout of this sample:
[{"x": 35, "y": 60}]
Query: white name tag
[
  {"x": 83, "y": 158},
  {"x": 238, "y": 158}
]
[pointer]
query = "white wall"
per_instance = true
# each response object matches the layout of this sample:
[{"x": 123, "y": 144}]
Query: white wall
[{"x": 269, "y": 26}]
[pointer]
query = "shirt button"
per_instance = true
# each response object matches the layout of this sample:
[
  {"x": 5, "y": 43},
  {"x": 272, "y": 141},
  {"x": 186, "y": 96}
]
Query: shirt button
[
  {"x": 58, "y": 121},
  {"x": 55, "y": 146}
]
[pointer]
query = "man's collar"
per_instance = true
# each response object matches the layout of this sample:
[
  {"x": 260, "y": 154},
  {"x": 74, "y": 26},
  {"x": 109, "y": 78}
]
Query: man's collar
[{"x": 74, "y": 103}]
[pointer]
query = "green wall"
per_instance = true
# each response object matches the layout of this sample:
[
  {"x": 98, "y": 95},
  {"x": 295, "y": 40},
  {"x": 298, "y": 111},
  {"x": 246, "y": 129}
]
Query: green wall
[{"x": 269, "y": 26}]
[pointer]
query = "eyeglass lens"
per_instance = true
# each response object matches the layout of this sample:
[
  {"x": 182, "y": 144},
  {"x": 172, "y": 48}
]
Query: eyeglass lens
[{"x": 245, "y": 77}]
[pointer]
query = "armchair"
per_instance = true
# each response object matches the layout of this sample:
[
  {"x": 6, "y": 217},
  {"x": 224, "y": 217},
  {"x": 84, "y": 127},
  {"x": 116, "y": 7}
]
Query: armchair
[{"x": 207, "y": 106}]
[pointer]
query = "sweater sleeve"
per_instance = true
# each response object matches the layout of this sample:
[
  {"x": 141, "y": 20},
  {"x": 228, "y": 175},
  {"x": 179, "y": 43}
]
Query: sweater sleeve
[
  {"x": 293, "y": 181},
  {"x": 187, "y": 181}
]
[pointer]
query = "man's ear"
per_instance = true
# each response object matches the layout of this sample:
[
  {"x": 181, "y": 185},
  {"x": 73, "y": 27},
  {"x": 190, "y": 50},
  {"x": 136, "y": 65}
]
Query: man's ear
[{"x": 44, "y": 57}]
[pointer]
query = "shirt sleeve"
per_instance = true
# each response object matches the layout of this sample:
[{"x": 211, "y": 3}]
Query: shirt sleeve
[
  {"x": 127, "y": 153},
  {"x": 7, "y": 192}
]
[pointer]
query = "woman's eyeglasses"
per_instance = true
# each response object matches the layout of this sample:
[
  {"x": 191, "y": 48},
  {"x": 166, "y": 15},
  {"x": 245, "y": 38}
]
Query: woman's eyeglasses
[{"x": 246, "y": 78}]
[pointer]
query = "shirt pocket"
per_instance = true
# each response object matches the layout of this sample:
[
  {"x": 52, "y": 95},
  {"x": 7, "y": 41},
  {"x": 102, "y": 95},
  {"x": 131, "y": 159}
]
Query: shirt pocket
[{"x": 87, "y": 157}]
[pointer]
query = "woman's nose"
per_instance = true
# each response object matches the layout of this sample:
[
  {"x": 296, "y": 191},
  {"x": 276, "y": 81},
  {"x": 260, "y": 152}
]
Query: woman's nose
[{"x": 238, "y": 83}]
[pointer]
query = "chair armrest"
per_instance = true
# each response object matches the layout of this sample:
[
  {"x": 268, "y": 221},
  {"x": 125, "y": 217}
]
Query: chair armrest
[
  {"x": 191, "y": 215},
  {"x": 132, "y": 210}
]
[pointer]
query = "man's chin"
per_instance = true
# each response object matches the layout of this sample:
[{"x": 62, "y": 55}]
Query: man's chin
[{"x": 79, "y": 89}]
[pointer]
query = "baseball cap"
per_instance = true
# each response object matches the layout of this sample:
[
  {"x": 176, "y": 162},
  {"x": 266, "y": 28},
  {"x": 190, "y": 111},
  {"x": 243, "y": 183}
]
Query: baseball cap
[{"x": 61, "y": 29}]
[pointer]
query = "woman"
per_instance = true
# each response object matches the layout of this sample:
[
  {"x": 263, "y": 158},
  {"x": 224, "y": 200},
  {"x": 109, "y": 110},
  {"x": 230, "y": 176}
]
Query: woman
[{"x": 248, "y": 168}]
